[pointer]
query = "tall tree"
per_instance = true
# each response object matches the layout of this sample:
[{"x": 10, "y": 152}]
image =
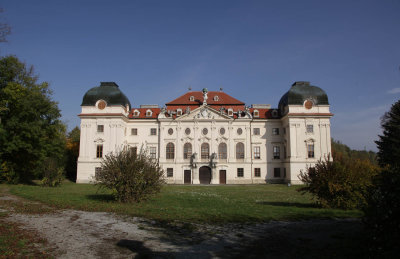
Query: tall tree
[
  {"x": 382, "y": 214},
  {"x": 73, "y": 138},
  {"x": 30, "y": 129},
  {"x": 389, "y": 142}
]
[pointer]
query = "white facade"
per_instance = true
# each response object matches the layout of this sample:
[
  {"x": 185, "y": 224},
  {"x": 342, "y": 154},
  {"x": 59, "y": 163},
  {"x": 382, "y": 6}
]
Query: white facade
[{"x": 277, "y": 144}]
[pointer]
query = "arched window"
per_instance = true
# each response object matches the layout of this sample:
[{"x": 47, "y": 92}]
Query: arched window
[
  {"x": 222, "y": 151},
  {"x": 240, "y": 150},
  {"x": 187, "y": 151},
  {"x": 170, "y": 151},
  {"x": 205, "y": 151}
]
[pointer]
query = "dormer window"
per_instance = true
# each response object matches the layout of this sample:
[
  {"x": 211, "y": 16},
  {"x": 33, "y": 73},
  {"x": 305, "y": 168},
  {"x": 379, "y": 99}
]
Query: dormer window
[
  {"x": 179, "y": 112},
  {"x": 191, "y": 98},
  {"x": 136, "y": 113},
  {"x": 274, "y": 113},
  {"x": 148, "y": 113},
  {"x": 216, "y": 98},
  {"x": 256, "y": 113},
  {"x": 230, "y": 112}
]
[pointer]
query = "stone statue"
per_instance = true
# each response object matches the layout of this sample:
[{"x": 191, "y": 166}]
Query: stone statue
[{"x": 205, "y": 97}]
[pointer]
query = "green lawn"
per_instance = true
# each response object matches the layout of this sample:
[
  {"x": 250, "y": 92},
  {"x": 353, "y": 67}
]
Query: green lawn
[{"x": 211, "y": 204}]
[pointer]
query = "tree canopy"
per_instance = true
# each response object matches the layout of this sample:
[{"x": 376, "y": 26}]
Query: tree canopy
[
  {"x": 382, "y": 214},
  {"x": 30, "y": 128},
  {"x": 389, "y": 142},
  {"x": 72, "y": 153},
  {"x": 343, "y": 150}
]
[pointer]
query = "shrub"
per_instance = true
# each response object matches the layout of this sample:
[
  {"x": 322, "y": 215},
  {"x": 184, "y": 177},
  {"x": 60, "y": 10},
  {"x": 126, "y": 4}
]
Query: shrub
[
  {"x": 7, "y": 174},
  {"x": 131, "y": 177},
  {"x": 53, "y": 174},
  {"x": 341, "y": 183}
]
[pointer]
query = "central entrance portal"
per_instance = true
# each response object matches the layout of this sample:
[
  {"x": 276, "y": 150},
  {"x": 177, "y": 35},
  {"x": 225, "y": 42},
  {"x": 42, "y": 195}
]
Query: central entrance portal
[
  {"x": 187, "y": 177},
  {"x": 205, "y": 175}
]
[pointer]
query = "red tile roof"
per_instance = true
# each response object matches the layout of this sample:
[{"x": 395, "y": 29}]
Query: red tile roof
[
  {"x": 263, "y": 113},
  {"x": 142, "y": 113},
  {"x": 223, "y": 99}
]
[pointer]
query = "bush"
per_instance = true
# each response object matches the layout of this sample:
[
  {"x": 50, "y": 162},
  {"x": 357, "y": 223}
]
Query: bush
[
  {"x": 131, "y": 177},
  {"x": 341, "y": 183},
  {"x": 53, "y": 174},
  {"x": 7, "y": 174}
]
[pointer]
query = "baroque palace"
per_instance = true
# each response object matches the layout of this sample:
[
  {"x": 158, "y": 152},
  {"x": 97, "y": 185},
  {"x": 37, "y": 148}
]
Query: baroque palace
[{"x": 209, "y": 137}]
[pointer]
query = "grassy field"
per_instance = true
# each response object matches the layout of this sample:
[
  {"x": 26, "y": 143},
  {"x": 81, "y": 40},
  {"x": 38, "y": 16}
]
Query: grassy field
[{"x": 202, "y": 204}]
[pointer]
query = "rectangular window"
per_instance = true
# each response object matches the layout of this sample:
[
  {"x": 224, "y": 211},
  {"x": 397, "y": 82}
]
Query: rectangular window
[
  {"x": 153, "y": 131},
  {"x": 100, "y": 128},
  {"x": 277, "y": 152},
  {"x": 97, "y": 170},
  {"x": 257, "y": 172},
  {"x": 257, "y": 153},
  {"x": 240, "y": 172},
  {"x": 310, "y": 150},
  {"x": 134, "y": 150},
  {"x": 256, "y": 131},
  {"x": 310, "y": 128},
  {"x": 277, "y": 172},
  {"x": 170, "y": 172},
  {"x": 134, "y": 131},
  {"x": 153, "y": 153},
  {"x": 99, "y": 151},
  {"x": 275, "y": 131}
]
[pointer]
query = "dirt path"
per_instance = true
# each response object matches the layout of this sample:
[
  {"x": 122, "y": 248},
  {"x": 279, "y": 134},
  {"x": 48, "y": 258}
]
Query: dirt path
[{"x": 81, "y": 234}]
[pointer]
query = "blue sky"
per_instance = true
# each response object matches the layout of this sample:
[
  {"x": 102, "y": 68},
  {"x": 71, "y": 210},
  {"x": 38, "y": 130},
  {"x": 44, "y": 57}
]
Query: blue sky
[{"x": 255, "y": 50}]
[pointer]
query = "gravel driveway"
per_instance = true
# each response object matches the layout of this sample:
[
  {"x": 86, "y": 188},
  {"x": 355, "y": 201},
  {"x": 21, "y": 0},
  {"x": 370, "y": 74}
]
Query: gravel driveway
[{"x": 82, "y": 234}]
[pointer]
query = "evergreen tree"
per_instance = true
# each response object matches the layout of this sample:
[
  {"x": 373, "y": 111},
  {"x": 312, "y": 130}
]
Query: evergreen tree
[
  {"x": 382, "y": 213},
  {"x": 30, "y": 128},
  {"x": 389, "y": 142}
]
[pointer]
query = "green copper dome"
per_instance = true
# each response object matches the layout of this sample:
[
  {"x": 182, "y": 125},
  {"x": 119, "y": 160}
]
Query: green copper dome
[
  {"x": 302, "y": 91},
  {"x": 107, "y": 91}
]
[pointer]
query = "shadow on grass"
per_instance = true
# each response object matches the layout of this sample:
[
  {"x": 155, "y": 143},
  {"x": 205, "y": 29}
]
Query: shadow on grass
[
  {"x": 290, "y": 204},
  {"x": 101, "y": 197}
]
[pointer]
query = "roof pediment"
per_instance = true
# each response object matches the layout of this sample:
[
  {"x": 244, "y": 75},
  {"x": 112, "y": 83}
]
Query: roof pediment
[{"x": 204, "y": 113}]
